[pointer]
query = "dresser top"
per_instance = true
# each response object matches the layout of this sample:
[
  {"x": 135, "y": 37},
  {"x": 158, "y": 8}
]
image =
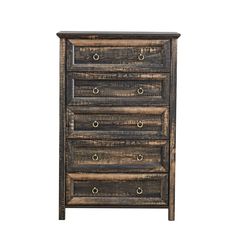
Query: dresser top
[{"x": 116, "y": 34}]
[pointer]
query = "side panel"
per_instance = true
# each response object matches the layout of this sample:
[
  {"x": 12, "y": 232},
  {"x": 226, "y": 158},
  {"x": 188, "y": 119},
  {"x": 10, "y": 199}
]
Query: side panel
[
  {"x": 62, "y": 132},
  {"x": 172, "y": 130}
]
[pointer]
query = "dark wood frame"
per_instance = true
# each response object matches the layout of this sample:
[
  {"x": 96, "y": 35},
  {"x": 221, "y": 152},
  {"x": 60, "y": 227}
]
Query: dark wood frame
[
  {"x": 172, "y": 127},
  {"x": 172, "y": 120},
  {"x": 62, "y": 131}
]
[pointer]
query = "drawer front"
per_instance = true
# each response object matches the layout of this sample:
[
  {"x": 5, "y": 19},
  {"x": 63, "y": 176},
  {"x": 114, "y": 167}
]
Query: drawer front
[
  {"x": 117, "y": 122},
  {"x": 118, "y": 55},
  {"x": 117, "y": 189},
  {"x": 116, "y": 89},
  {"x": 115, "y": 156}
]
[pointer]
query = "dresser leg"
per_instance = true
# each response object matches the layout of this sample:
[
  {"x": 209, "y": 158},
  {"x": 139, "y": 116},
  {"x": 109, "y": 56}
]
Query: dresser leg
[
  {"x": 171, "y": 213},
  {"x": 61, "y": 213},
  {"x": 61, "y": 197}
]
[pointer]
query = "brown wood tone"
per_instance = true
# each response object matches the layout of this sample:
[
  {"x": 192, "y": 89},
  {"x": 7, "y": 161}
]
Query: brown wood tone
[
  {"x": 171, "y": 212},
  {"x": 62, "y": 131},
  {"x": 118, "y": 55},
  {"x": 116, "y": 156},
  {"x": 116, "y": 35},
  {"x": 117, "y": 89},
  {"x": 113, "y": 189},
  {"x": 117, "y": 120},
  {"x": 120, "y": 122}
]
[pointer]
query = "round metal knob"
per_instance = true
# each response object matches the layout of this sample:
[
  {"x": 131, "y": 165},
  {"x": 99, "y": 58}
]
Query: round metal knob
[
  {"x": 95, "y": 90},
  {"x": 95, "y": 157},
  {"x": 140, "y": 124},
  {"x": 139, "y": 190},
  {"x": 140, "y": 91},
  {"x": 96, "y": 57},
  {"x": 95, "y": 124},
  {"x": 94, "y": 190},
  {"x": 140, "y": 157},
  {"x": 140, "y": 57}
]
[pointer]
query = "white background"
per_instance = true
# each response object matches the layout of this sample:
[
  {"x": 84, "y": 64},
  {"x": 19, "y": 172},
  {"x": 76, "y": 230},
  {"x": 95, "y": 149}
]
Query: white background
[{"x": 206, "y": 160}]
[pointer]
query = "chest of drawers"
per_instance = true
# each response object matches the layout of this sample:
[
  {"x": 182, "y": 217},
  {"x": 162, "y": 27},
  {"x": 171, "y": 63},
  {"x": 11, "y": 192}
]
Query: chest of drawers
[{"x": 117, "y": 120}]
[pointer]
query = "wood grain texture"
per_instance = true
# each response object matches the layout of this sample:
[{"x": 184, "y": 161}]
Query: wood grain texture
[
  {"x": 117, "y": 89},
  {"x": 117, "y": 187},
  {"x": 116, "y": 76},
  {"x": 129, "y": 88},
  {"x": 116, "y": 202},
  {"x": 116, "y": 65},
  {"x": 116, "y": 42},
  {"x": 116, "y": 35},
  {"x": 83, "y": 143},
  {"x": 117, "y": 58},
  {"x": 171, "y": 212},
  {"x": 118, "y": 157},
  {"x": 62, "y": 132},
  {"x": 117, "y": 123},
  {"x": 116, "y": 135}
]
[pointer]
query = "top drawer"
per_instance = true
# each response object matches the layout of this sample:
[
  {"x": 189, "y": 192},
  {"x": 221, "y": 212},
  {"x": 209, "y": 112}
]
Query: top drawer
[{"x": 118, "y": 55}]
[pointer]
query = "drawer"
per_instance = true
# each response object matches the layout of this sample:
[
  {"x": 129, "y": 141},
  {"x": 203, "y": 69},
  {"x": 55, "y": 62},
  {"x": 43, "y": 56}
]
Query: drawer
[
  {"x": 117, "y": 189},
  {"x": 118, "y": 55},
  {"x": 118, "y": 156},
  {"x": 116, "y": 89},
  {"x": 117, "y": 122}
]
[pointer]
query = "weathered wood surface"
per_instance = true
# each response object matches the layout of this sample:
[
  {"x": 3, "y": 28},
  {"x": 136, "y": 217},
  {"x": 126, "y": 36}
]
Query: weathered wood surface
[
  {"x": 171, "y": 212},
  {"x": 117, "y": 76},
  {"x": 117, "y": 202},
  {"x": 117, "y": 186},
  {"x": 121, "y": 122},
  {"x": 117, "y": 135},
  {"x": 117, "y": 143},
  {"x": 116, "y": 35},
  {"x": 117, "y": 157},
  {"x": 118, "y": 122},
  {"x": 118, "y": 101},
  {"x": 117, "y": 65},
  {"x": 117, "y": 42},
  {"x": 124, "y": 188},
  {"x": 130, "y": 88},
  {"x": 62, "y": 131},
  {"x": 119, "y": 55},
  {"x": 119, "y": 58},
  {"x": 117, "y": 89}
]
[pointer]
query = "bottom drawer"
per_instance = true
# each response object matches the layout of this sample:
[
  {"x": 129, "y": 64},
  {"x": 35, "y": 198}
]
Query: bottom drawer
[{"x": 117, "y": 189}]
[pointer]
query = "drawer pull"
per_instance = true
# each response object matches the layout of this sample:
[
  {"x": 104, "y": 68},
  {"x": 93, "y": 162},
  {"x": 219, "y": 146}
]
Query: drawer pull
[
  {"x": 94, "y": 190},
  {"x": 95, "y": 90},
  {"x": 140, "y": 124},
  {"x": 139, "y": 157},
  {"x": 140, "y": 91},
  {"x": 95, "y": 124},
  {"x": 95, "y": 157},
  {"x": 140, "y": 57},
  {"x": 139, "y": 190},
  {"x": 96, "y": 57}
]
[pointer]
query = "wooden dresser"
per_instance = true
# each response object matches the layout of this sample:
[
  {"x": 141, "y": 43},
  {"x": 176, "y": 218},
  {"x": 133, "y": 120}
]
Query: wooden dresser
[{"x": 117, "y": 120}]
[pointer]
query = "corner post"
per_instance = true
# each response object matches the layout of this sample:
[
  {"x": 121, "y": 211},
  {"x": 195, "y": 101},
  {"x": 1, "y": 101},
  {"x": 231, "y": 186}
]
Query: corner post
[
  {"x": 171, "y": 208},
  {"x": 62, "y": 132}
]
